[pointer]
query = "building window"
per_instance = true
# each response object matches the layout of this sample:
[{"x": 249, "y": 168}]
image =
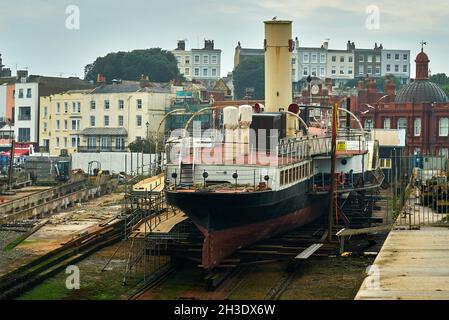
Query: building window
[
  {"x": 350, "y": 70},
  {"x": 378, "y": 59},
  {"x": 388, "y": 67},
  {"x": 350, "y": 59},
  {"x": 196, "y": 59},
  {"x": 396, "y": 56},
  {"x": 74, "y": 107},
  {"x": 306, "y": 71},
  {"x": 121, "y": 104},
  {"x": 205, "y": 72},
  {"x": 20, "y": 93},
  {"x": 106, "y": 121},
  {"x": 197, "y": 72},
  {"x": 45, "y": 112},
  {"x": 79, "y": 107},
  {"x": 139, "y": 121},
  {"x": 206, "y": 59},
  {"x": 139, "y": 104},
  {"x": 370, "y": 70},
  {"x": 334, "y": 58},
  {"x": 370, "y": 59},
  {"x": 74, "y": 125},
  {"x": 65, "y": 124},
  {"x": 65, "y": 142},
  {"x": 92, "y": 121},
  {"x": 378, "y": 70},
  {"x": 369, "y": 124},
  {"x": 417, "y": 127},
  {"x": 74, "y": 142},
  {"x": 389, "y": 56},
  {"x": 314, "y": 71},
  {"x": 66, "y": 107},
  {"x": 120, "y": 143},
  {"x": 92, "y": 105},
  {"x": 214, "y": 72},
  {"x": 28, "y": 93},
  {"x": 342, "y": 59},
  {"x": 57, "y": 142},
  {"x": 178, "y": 58},
  {"x": 402, "y": 123},
  {"x": 444, "y": 127},
  {"x": 58, "y": 107},
  {"x": 334, "y": 70},
  {"x": 361, "y": 69},
  {"x": 214, "y": 59},
  {"x": 24, "y": 135},
  {"x": 187, "y": 58},
  {"x": 405, "y": 68},
  {"x": 405, "y": 56},
  {"x": 387, "y": 123},
  {"x": 92, "y": 142},
  {"x": 24, "y": 113},
  {"x": 314, "y": 58},
  {"x": 105, "y": 142},
  {"x": 106, "y": 104},
  {"x": 342, "y": 70},
  {"x": 58, "y": 125},
  {"x": 45, "y": 126},
  {"x": 361, "y": 59},
  {"x": 187, "y": 72},
  {"x": 306, "y": 57},
  {"x": 323, "y": 58},
  {"x": 322, "y": 72},
  {"x": 120, "y": 121},
  {"x": 396, "y": 68}
]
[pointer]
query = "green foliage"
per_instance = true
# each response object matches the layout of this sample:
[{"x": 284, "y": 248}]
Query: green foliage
[
  {"x": 158, "y": 64},
  {"x": 144, "y": 146},
  {"x": 250, "y": 73},
  {"x": 441, "y": 79}
]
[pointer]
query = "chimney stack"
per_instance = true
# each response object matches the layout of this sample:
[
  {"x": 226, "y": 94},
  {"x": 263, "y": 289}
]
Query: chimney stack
[
  {"x": 181, "y": 45},
  {"x": 144, "y": 81},
  {"x": 101, "y": 79},
  {"x": 390, "y": 88},
  {"x": 209, "y": 44}
]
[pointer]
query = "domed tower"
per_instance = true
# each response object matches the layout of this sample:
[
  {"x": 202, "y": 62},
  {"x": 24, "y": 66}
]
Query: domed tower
[{"x": 422, "y": 90}]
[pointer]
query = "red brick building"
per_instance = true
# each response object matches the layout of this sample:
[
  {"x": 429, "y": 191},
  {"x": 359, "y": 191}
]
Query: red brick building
[{"x": 421, "y": 108}]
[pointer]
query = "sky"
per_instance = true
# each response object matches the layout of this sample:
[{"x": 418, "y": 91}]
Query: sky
[{"x": 42, "y": 36}]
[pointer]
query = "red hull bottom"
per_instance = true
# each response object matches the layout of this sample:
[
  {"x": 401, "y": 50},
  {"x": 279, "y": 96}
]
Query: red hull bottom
[{"x": 221, "y": 244}]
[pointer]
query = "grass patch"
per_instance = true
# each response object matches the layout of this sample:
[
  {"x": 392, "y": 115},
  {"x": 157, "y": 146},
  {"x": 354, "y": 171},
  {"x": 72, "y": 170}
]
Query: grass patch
[{"x": 15, "y": 243}]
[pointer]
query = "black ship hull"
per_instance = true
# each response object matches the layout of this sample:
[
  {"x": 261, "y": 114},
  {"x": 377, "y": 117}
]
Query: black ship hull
[{"x": 233, "y": 220}]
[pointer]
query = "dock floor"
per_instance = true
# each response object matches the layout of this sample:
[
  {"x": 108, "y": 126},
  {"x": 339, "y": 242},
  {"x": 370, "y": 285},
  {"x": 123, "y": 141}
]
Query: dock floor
[{"x": 412, "y": 265}]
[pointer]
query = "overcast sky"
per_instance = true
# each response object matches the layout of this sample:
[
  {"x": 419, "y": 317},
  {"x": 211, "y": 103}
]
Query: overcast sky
[{"x": 33, "y": 33}]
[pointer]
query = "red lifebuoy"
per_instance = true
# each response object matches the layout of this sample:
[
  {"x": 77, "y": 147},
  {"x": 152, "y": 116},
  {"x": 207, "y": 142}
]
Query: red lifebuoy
[{"x": 341, "y": 179}]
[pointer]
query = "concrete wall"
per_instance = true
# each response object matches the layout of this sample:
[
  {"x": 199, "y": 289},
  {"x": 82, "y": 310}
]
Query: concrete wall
[
  {"x": 3, "y": 95},
  {"x": 131, "y": 163}
]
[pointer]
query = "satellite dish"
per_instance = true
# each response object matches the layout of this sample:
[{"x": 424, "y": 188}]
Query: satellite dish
[
  {"x": 293, "y": 108},
  {"x": 315, "y": 89}
]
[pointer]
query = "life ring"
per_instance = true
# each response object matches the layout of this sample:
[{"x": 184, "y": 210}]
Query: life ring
[{"x": 341, "y": 179}]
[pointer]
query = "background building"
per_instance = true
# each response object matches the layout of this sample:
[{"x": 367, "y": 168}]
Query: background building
[
  {"x": 396, "y": 63},
  {"x": 199, "y": 64},
  {"x": 367, "y": 62},
  {"x": 420, "y": 108},
  {"x": 107, "y": 118}
]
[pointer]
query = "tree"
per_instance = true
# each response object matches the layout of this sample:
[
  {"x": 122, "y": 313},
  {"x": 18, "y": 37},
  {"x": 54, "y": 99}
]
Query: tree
[
  {"x": 441, "y": 79},
  {"x": 158, "y": 64},
  {"x": 250, "y": 73}
]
